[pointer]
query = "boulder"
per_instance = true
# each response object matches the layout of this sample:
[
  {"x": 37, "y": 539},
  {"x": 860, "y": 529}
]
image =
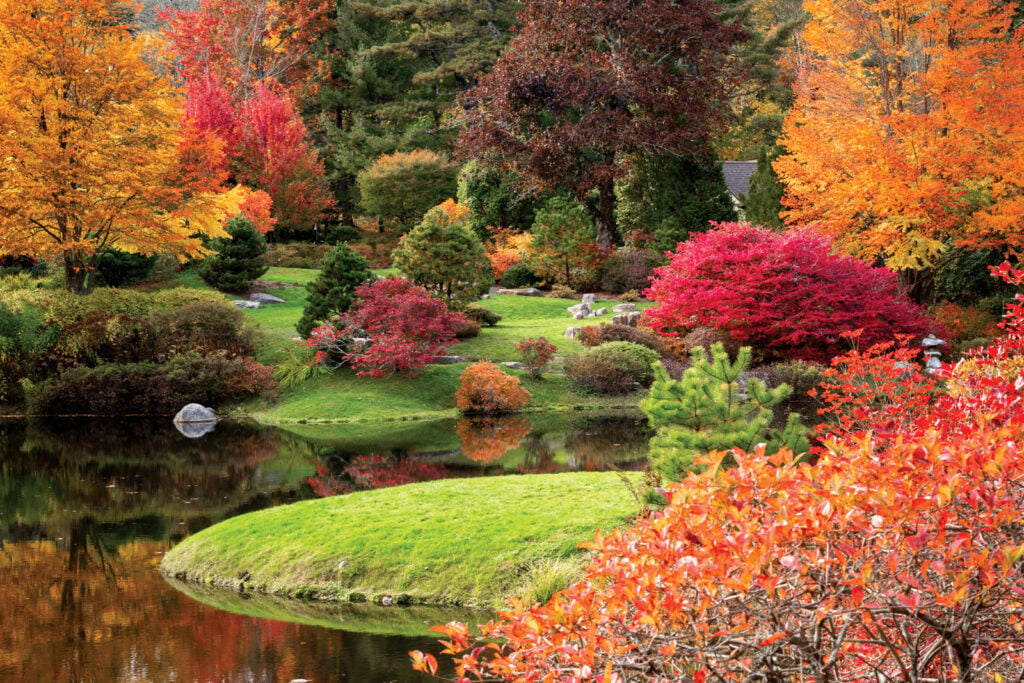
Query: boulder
[
  {"x": 528, "y": 291},
  {"x": 515, "y": 365},
  {"x": 572, "y": 332},
  {"x": 264, "y": 298},
  {"x": 579, "y": 311},
  {"x": 621, "y": 319},
  {"x": 195, "y": 420},
  {"x": 624, "y": 308},
  {"x": 633, "y": 318},
  {"x": 447, "y": 360},
  {"x": 601, "y": 311},
  {"x": 194, "y": 412},
  {"x": 244, "y": 303},
  {"x": 588, "y": 299}
]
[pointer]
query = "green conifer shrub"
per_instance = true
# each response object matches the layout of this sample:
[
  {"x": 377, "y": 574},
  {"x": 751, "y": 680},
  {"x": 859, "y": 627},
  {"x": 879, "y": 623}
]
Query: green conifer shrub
[
  {"x": 443, "y": 255},
  {"x": 333, "y": 290},
  {"x": 239, "y": 260},
  {"x": 764, "y": 198},
  {"x": 708, "y": 410}
]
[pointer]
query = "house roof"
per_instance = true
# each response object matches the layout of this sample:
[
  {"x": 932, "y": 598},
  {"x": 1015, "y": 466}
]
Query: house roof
[{"x": 737, "y": 177}]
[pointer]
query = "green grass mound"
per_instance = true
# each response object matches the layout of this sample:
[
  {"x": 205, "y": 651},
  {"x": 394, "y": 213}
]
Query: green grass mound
[{"x": 471, "y": 542}]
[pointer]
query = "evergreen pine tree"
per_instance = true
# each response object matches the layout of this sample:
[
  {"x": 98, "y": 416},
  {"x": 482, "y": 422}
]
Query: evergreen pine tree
[
  {"x": 238, "y": 261},
  {"x": 764, "y": 200},
  {"x": 341, "y": 271},
  {"x": 443, "y": 255},
  {"x": 671, "y": 197},
  {"x": 707, "y": 410}
]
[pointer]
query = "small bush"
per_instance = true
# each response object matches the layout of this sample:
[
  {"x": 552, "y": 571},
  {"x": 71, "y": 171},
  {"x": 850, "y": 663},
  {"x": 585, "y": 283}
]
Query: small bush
[
  {"x": 536, "y": 354},
  {"x": 628, "y": 269},
  {"x": 612, "y": 368},
  {"x": 296, "y": 254},
  {"x": 296, "y": 368},
  {"x": 118, "y": 268},
  {"x": 562, "y": 292},
  {"x": 404, "y": 185},
  {"x": 239, "y": 260},
  {"x": 630, "y": 295},
  {"x": 486, "y": 388},
  {"x": 467, "y": 329},
  {"x": 204, "y": 328},
  {"x": 485, "y": 316},
  {"x": 519, "y": 276},
  {"x": 705, "y": 338},
  {"x": 150, "y": 388},
  {"x": 602, "y": 334}
]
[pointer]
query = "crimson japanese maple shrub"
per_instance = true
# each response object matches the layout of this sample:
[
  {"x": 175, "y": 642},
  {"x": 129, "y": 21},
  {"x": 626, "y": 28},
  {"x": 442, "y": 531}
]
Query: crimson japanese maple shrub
[
  {"x": 785, "y": 294},
  {"x": 394, "y": 327}
]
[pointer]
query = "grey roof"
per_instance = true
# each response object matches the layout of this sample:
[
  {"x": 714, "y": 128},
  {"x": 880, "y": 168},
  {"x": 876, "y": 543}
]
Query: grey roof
[{"x": 737, "y": 176}]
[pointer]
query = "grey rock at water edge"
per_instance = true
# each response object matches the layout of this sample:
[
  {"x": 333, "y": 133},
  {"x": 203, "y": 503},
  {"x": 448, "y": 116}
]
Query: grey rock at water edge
[
  {"x": 264, "y": 298},
  {"x": 243, "y": 303},
  {"x": 623, "y": 308},
  {"x": 195, "y": 420}
]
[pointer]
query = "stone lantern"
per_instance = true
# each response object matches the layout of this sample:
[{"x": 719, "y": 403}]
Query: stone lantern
[{"x": 931, "y": 345}]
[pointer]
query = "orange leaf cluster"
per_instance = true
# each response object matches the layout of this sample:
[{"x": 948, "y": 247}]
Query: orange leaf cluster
[
  {"x": 486, "y": 388},
  {"x": 895, "y": 555},
  {"x": 485, "y": 439},
  {"x": 908, "y": 128}
]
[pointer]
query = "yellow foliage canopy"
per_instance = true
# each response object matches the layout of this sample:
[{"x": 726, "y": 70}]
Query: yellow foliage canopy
[
  {"x": 92, "y": 150},
  {"x": 907, "y": 134}
]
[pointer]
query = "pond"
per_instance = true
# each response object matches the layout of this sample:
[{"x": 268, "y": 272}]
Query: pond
[{"x": 87, "y": 509}]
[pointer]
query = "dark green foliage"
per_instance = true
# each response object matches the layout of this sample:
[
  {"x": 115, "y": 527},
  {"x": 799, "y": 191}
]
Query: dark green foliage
[
  {"x": 670, "y": 197},
  {"x": 443, "y": 255},
  {"x": 628, "y": 269},
  {"x": 564, "y": 247},
  {"x": 763, "y": 202},
  {"x": 963, "y": 277},
  {"x": 611, "y": 332},
  {"x": 613, "y": 368},
  {"x": 332, "y": 292},
  {"x": 22, "y": 339},
  {"x": 519, "y": 275},
  {"x": 238, "y": 261},
  {"x": 706, "y": 411},
  {"x": 118, "y": 268},
  {"x": 496, "y": 199},
  {"x": 151, "y": 388},
  {"x": 340, "y": 232},
  {"x": 484, "y": 316},
  {"x": 206, "y": 328}
]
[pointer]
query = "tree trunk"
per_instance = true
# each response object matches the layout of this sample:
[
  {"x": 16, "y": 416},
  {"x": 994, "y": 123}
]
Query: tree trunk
[
  {"x": 603, "y": 211},
  {"x": 77, "y": 273},
  {"x": 919, "y": 284}
]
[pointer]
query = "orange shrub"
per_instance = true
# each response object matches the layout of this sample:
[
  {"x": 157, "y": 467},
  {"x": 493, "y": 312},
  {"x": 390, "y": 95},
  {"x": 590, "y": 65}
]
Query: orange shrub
[
  {"x": 486, "y": 388},
  {"x": 507, "y": 249}
]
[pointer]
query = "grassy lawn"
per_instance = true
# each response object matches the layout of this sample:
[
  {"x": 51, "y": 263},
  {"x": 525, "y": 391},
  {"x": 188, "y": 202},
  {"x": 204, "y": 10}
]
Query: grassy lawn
[
  {"x": 471, "y": 542},
  {"x": 344, "y": 397}
]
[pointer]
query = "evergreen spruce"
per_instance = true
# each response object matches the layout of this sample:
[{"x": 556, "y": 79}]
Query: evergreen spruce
[
  {"x": 764, "y": 201},
  {"x": 333, "y": 291},
  {"x": 671, "y": 197},
  {"x": 444, "y": 255},
  {"x": 239, "y": 260},
  {"x": 707, "y": 410}
]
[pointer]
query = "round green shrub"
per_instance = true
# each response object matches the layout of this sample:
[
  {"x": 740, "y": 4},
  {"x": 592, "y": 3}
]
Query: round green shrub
[
  {"x": 612, "y": 368},
  {"x": 485, "y": 316},
  {"x": 519, "y": 275},
  {"x": 118, "y": 268}
]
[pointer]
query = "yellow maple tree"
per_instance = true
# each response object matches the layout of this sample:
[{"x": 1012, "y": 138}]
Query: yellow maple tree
[
  {"x": 91, "y": 143},
  {"x": 907, "y": 135}
]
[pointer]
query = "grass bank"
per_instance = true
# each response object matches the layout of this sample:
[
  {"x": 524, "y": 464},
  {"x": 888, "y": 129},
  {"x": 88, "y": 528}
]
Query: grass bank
[
  {"x": 344, "y": 397},
  {"x": 468, "y": 542}
]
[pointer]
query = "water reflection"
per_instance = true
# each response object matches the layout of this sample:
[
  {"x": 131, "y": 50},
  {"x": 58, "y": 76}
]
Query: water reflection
[{"x": 87, "y": 508}]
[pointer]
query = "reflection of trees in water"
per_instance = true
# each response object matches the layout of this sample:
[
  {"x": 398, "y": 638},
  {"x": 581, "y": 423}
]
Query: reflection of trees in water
[
  {"x": 601, "y": 441},
  {"x": 485, "y": 439}
]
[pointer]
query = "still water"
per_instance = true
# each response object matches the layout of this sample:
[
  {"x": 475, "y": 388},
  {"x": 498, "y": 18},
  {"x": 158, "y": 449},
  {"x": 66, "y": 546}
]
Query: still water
[{"x": 87, "y": 509}]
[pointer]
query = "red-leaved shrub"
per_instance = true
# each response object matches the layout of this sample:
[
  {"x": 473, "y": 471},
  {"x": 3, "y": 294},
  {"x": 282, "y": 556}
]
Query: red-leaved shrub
[
  {"x": 783, "y": 293},
  {"x": 402, "y": 325},
  {"x": 536, "y": 354}
]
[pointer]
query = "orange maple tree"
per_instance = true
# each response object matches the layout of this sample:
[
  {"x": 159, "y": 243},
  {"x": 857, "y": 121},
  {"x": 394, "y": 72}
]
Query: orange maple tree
[
  {"x": 897, "y": 554},
  {"x": 907, "y": 134},
  {"x": 89, "y": 133}
]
